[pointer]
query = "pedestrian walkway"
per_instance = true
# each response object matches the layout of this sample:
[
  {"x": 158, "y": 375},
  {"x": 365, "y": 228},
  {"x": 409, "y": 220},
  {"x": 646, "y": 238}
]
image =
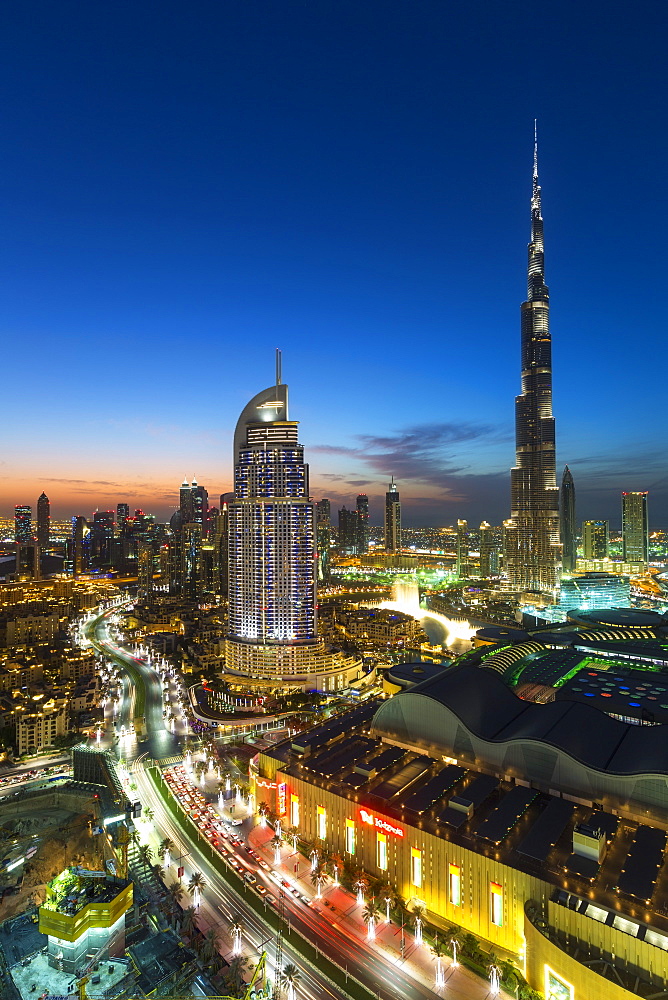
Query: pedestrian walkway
[{"x": 340, "y": 908}]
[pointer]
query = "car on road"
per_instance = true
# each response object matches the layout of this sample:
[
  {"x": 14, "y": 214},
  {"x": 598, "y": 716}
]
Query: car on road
[
  {"x": 262, "y": 889},
  {"x": 250, "y": 878},
  {"x": 263, "y": 864}
]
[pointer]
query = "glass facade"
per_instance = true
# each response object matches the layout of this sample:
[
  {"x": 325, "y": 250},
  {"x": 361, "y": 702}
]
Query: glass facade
[
  {"x": 350, "y": 836},
  {"x": 533, "y": 559}
]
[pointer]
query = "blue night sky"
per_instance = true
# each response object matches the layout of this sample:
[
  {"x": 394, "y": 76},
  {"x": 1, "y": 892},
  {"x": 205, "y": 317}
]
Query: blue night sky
[{"x": 186, "y": 186}]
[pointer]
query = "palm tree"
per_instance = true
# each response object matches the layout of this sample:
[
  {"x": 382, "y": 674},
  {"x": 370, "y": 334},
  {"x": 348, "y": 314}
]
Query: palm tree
[
  {"x": 174, "y": 896},
  {"x": 166, "y": 849},
  {"x": 336, "y": 861},
  {"x": 418, "y": 920},
  {"x": 362, "y": 885},
  {"x": 370, "y": 917},
  {"x": 291, "y": 977},
  {"x": 145, "y": 855},
  {"x": 318, "y": 878},
  {"x": 276, "y": 843},
  {"x": 236, "y": 928},
  {"x": 234, "y": 980},
  {"x": 211, "y": 942},
  {"x": 438, "y": 951},
  {"x": 188, "y": 925},
  {"x": 159, "y": 872},
  {"x": 389, "y": 896},
  {"x": 149, "y": 815},
  {"x": 195, "y": 885},
  {"x": 293, "y": 834},
  {"x": 134, "y": 837}
]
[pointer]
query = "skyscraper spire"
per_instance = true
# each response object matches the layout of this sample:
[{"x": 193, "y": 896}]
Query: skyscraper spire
[{"x": 532, "y": 550}]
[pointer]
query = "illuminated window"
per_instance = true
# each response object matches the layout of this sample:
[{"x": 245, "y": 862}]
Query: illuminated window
[
  {"x": 416, "y": 867},
  {"x": 496, "y": 904},
  {"x": 322, "y": 823},
  {"x": 294, "y": 810},
  {"x": 381, "y": 851},
  {"x": 455, "y": 884},
  {"x": 557, "y": 988},
  {"x": 350, "y": 836}
]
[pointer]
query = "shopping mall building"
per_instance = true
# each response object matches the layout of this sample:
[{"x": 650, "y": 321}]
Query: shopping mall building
[{"x": 539, "y": 827}]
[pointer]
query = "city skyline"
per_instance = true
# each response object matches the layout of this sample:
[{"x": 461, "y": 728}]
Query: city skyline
[{"x": 152, "y": 249}]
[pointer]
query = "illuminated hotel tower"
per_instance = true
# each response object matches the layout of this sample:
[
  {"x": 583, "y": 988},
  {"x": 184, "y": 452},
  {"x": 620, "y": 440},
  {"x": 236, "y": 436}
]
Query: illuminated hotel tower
[
  {"x": 272, "y": 636},
  {"x": 533, "y": 551}
]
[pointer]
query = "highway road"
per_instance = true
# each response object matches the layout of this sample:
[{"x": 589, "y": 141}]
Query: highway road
[{"x": 221, "y": 901}]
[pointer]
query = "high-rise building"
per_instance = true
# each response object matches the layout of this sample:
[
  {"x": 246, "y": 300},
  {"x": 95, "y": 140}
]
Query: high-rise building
[
  {"x": 102, "y": 537},
  {"x": 23, "y": 524},
  {"x": 569, "y": 547},
  {"x": 122, "y": 513},
  {"x": 145, "y": 571},
  {"x": 186, "y": 502},
  {"x": 43, "y": 521},
  {"x": 362, "y": 524},
  {"x": 80, "y": 545},
  {"x": 595, "y": 539},
  {"x": 392, "y": 518},
  {"x": 200, "y": 505},
  {"x": 348, "y": 537},
  {"x": 323, "y": 527},
  {"x": 490, "y": 550},
  {"x": 635, "y": 528},
  {"x": 273, "y": 638},
  {"x": 532, "y": 539},
  {"x": 462, "y": 566}
]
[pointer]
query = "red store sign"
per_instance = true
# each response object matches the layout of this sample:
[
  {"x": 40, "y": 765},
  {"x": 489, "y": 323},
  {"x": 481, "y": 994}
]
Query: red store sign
[{"x": 381, "y": 824}]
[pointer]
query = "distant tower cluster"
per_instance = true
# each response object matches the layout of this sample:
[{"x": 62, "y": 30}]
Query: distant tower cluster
[
  {"x": 532, "y": 534},
  {"x": 392, "y": 518}
]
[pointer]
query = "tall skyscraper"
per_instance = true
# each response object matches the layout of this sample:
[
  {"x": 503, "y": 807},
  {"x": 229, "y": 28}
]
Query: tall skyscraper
[
  {"x": 23, "y": 524},
  {"x": 635, "y": 528},
  {"x": 362, "y": 524},
  {"x": 273, "y": 637},
  {"x": 348, "y": 536},
  {"x": 186, "y": 502},
  {"x": 532, "y": 555},
  {"x": 569, "y": 548},
  {"x": 323, "y": 527},
  {"x": 595, "y": 539},
  {"x": 462, "y": 566},
  {"x": 79, "y": 545},
  {"x": 392, "y": 518},
  {"x": 102, "y": 537},
  {"x": 43, "y": 521},
  {"x": 122, "y": 513},
  {"x": 490, "y": 550},
  {"x": 200, "y": 505}
]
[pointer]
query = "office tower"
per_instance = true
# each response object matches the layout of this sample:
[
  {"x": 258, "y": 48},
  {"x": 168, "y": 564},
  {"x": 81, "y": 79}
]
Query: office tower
[
  {"x": 273, "y": 637},
  {"x": 569, "y": 548},
  {"x": 635, "y": 529},
  {"x": 122, "y": 513},
  {"x": 362, "y": 524},
  {"x": 392, "y": 519},
  {"x": 186, "y": 502},
  {"x": 323, "y": 526},
  {"x": 348, "y": 532},
  {"x": 80, "y": 545},
  {"x": 191, "y": 561},
  {"x": 43, "y": 521},
  {"x": 28, "y": 560},
  {"x": 490, "y": 550},
  {"x": 200, "y": 505},
  {"x": 102, "y": 537},
  {"x": 532, "y": 552},
  {"x": 145, "y": 571},
  {"x": 23, "y": 524},
  {"x": 595, "y": 539},
  {"x": 462, "y": 566}
]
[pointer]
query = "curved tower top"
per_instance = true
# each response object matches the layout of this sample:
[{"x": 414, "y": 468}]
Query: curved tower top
[{"x": 269, "y": 406}]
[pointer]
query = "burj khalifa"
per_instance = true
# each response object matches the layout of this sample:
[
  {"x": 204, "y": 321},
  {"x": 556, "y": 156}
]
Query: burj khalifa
[{"x": 533, "y": 552}]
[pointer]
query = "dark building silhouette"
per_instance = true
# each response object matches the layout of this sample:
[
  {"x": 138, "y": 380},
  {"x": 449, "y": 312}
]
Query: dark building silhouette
[
  {"x": 635, "y": 527},
  {"x": 392, "y": 518},
  {"x": 43, "y": 521},
  {"x": 362, "y": 524},
  {"x": 23, "y": 524},
  {"x": 569, "y": 548}
]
